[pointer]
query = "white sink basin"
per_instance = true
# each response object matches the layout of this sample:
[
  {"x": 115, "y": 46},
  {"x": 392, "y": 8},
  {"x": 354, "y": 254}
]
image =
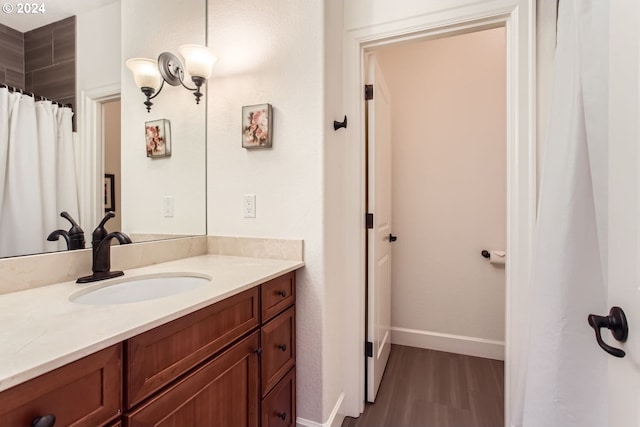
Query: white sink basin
[{"x": 141, "y": 288}]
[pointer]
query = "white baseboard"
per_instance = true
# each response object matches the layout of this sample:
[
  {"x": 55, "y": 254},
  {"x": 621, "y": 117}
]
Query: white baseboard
[
  {"x": 335, "y": 418},
  {"x": 460, "y": 344}
]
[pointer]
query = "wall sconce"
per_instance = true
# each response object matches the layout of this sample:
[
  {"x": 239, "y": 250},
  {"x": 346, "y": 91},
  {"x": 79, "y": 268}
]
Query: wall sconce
[{"x": 151, "y": 75}]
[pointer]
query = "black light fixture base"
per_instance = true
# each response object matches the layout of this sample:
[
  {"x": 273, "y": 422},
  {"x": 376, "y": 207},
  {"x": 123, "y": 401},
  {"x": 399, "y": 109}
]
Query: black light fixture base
[
  {"x": 198, "y": 81},
  {"x": 148, "y": 91}
]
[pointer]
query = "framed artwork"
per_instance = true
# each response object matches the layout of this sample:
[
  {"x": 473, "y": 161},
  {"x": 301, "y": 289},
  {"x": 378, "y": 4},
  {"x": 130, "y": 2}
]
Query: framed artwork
[
  {"x": 257, "y": 126},
  {"x": 158, "y": 138},
  {"x": 109, "y": 192}
]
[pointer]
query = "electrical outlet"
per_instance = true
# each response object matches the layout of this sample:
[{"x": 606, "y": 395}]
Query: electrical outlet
[
  {"x": 167, "y": 206},
  {"x": 249, "y": 206}
]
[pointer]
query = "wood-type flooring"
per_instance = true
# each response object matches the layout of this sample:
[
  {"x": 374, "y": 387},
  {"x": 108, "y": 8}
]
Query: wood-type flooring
[{"x": 427, "y": 388}]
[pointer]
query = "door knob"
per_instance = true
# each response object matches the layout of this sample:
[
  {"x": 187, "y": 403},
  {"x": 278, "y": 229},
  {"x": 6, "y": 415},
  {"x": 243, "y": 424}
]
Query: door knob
[
  {"x": 392, "y": 238},
  {"x": 616, "y": 322}
]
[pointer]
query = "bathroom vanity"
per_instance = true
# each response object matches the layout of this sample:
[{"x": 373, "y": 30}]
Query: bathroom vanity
[{"x": 223, "y": 355}]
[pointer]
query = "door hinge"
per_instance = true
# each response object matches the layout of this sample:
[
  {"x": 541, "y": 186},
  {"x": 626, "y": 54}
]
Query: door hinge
[
  {"x": 368, "y": 349},
  {"x": 368, "y": 92},
  {"x": 369, "y": 221}
]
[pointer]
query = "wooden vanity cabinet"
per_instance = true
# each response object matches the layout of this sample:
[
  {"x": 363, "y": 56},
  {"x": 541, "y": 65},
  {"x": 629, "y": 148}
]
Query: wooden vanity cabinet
[
  {"x": 84, "y": 393},
  {"x": 249, "y": 383},
  {"x": 229, "y": 364}
]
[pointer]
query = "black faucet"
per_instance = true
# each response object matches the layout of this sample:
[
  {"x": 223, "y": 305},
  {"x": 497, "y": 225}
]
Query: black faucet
[
  {"x": 74, "y": 237},
  {"x": 101, "y": 244}
]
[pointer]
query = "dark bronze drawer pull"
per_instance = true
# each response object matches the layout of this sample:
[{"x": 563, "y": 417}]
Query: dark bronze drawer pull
[
  {"x": 282, "y": 415},
  {"x": 282, "y": 293},
  {"x": 283, "y": 347},
  {"x": 46, "y": 421}
]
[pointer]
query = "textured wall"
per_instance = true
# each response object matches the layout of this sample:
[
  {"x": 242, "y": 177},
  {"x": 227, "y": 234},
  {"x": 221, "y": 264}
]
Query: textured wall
[{"x": 272, "y": 52}]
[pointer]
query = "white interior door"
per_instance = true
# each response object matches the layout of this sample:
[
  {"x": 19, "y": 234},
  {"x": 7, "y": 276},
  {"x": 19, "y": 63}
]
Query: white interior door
[
  {"x": 378, "y": 237},
  {"x": 624, "y": 208}
]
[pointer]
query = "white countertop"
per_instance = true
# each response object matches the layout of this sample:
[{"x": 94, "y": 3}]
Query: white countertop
[{"x": 41, "y": 329}]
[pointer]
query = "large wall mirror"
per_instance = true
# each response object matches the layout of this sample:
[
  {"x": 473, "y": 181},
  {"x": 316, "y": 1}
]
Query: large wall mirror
[{"x": 154, "y": 197}]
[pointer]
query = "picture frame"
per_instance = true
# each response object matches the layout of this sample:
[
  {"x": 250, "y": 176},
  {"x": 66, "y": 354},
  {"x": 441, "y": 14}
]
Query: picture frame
[
  {"x": 158, "y": 138},
  {"x": 109, "y": 192},
  {"x": 257, "y": 126}
]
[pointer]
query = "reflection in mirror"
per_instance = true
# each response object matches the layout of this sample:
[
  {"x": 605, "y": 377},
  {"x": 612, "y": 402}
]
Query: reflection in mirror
[{"x": 153, "y": 197}]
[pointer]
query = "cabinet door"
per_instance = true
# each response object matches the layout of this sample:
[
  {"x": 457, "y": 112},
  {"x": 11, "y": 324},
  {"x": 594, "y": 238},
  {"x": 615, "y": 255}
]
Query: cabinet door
[
  {"x": 86, "y": 392},
  {"x": 278, "y": 348},
  {"x": 223, "y": 392}
]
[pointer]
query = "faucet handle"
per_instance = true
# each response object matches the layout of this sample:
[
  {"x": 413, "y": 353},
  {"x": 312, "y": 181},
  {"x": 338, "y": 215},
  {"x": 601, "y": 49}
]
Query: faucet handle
[
  {"x": 76, "y": 234},
  {"x": 100, "y": 232}
]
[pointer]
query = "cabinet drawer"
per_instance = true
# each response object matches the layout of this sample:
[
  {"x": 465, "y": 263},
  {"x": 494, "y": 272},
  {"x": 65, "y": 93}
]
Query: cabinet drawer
[
  {"x": 278, "y": 348},
  {"x": 279, "y": 407},
  {"x": 224, "y": 392},
  {"x": 278, "y": 294},
  {"x": 83, "y": 393},
  {"x": 160, "y": 355}
]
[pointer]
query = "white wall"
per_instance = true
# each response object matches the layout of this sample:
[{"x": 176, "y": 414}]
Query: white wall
[
  {"x": 449, "y": 189},
  {"x": 335, "y": 164},
  {"x": 148, "y": 29},
  {"x": 272, "y": 52},
  {"x": 98, "y": 47}
]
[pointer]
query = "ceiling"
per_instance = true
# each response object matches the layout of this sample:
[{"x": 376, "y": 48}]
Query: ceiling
[{"x": 54, "y": 10}]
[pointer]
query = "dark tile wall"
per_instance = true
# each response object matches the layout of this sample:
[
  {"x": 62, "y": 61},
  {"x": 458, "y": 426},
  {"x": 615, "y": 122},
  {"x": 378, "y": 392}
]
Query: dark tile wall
[
  {"x": 11, "y": 57},
  {"x": 41, "y": 61},
  {"x": 50, "y": 61}
]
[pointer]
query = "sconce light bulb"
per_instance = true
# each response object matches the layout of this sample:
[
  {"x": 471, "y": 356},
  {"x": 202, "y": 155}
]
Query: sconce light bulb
[
  {"x": 199, "y": 60},
  {"x": 145, "y": 72}
]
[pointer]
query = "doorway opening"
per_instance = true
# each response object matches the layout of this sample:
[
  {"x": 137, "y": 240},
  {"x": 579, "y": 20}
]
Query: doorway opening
[{"x": 436, "y": 188}]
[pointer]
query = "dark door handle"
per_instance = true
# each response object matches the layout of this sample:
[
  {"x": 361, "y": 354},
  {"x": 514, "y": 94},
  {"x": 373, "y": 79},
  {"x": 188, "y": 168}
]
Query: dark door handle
[
  {"x": 616, "y": 321},
  {"x": 392, "y": 238}
]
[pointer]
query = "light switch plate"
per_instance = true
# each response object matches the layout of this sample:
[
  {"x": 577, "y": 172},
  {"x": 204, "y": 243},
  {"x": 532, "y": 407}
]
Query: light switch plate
[
  {"x": 167, "y": 206},
  {"x": 249, "y": 206}
]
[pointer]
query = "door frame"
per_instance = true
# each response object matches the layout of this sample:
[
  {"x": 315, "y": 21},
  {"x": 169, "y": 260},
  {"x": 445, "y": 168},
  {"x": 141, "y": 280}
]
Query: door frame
[
  {"x": 91, "y": 131},
  {"x": 518, "y": 18}
]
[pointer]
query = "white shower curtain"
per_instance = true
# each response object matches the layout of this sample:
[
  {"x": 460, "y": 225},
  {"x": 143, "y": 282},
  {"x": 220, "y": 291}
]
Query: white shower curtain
[
  {"x": 37, "y": 173},
  {"x": 564, "y": 380}
]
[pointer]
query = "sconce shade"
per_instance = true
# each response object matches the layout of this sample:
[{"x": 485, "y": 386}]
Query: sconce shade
[
  {"x": 199, "y": 60},
  {"x": 145, "y": 72}
]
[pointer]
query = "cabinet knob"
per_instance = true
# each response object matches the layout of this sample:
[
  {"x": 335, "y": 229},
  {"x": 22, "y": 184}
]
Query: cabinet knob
[
  {"x": 282, "y": 415},
  {"x": 258, "y": 351},
  {"x": 48, "y": 420},
  {"x": 282, "y": 293},
  {"x": 283, "y": 347}
]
